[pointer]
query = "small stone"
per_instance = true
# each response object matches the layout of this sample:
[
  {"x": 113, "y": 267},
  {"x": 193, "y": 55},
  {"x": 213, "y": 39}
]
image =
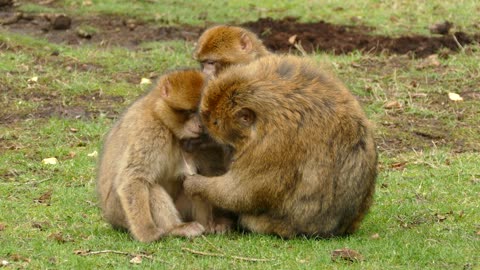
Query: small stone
[{"x": 61, "y": 22}]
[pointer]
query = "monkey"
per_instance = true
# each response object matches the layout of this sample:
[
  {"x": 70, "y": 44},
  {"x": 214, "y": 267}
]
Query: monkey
[
  {"x": 305, "y": 160},
  {"x": 221, "y": 46},
  {"x": 142, "y": 165},
  {"x": 209, "y": 159},
  {"x": 217, "y": 48}
]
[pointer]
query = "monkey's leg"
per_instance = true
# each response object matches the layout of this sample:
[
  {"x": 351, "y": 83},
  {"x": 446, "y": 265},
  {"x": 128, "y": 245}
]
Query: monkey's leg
[
  {"x": 167, "y": 217},
  {"x": 203, "y": 213},
  {"x": 114, "y": 213},
  {"x": 268, "y": 225},
  {"x": 135, "y": 199}
]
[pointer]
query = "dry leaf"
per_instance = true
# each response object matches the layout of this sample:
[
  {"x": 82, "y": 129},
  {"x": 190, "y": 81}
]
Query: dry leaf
[
  {"x": 44, "y": 198},
  {"x": 33, "y": 79},
  {"x": 454, "y": 97},
  {"x": 145, "y": 81},
  {"x": 4, "y": 263},
  {"x": 50, "y": 161},
  {"x": 40, "y": 225},
  {"x": 136, "y": 260},
  {"x": 430, "y": 61},
  {"x": 392, "y": 105},
  {"x": 375, "y": 236},
  {"x": 347, "y": 255},
  {"x": 87, "y": 3},
  {"x": 73, "y": 130},
  {"x": 81, "y": 251},
  {"x": 292, "y": 39},
  {"x": 478, "y": 233},
  {"x": 2, "y": 227},
  {"x": 93, "y": 154},
  {"x": 440, "y": 217},
  {"x": 418, "y": 95},
  {"x": 60, "y": 238},
  {"x": 19, "y": 258},
  {"x": 398, "y": 165},
  {"x": 72, "y": 154}
]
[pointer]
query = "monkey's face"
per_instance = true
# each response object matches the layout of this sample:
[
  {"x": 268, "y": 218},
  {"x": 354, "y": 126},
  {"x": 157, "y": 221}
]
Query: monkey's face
[
  {"x": 223, "y": 46},
  {"x": 192, "y": 127},
  {"x": 233, "y": 128},
  {"x": 211, "y": 67}
]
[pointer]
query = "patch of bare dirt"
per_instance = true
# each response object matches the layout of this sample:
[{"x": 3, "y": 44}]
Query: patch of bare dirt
[
  {"x": 276, "y": 34},
  {"x": 340, "y": 39},
  {"x": 53, "y": 105}
]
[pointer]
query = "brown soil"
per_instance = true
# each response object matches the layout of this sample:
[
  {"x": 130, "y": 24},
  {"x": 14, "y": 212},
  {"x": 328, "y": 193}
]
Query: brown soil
[
  {"x": 317, "y": 36},
  {"x": 339, "y": 39}
]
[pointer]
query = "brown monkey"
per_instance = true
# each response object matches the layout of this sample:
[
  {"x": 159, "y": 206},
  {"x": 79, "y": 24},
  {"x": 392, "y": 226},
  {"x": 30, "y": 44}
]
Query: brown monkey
[
  {"x": 143, "y": 165},
  {"x": 305, "y": 160},
  {"x": 223, "y": 45},
  {"x": 217, "y": 48},
  {"x": 207, "y": 158}
]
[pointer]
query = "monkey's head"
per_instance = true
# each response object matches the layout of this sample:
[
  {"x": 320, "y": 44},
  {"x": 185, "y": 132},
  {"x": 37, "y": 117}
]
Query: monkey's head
[
  {"x": 180, "y": 92},
  {"x": 221, "y": 46},
  {"x": 226, "y": 114}
]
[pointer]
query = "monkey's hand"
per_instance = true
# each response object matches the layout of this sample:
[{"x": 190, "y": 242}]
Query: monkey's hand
[{"x": 194, "y": 184}]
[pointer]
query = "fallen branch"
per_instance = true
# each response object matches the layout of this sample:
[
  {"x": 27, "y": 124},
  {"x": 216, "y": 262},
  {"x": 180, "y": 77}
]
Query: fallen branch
[
  {"x": 299, "y": 47},
  {"x": 240, "y": 258},
  {"x": 458, "y": 43},
  {"x": 203, "y": 253},
  {"x": 88, "y": 252}
]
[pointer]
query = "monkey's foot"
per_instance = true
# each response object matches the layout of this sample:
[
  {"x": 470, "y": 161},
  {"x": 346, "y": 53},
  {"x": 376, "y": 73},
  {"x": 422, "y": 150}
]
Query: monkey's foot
[
  {"x": 147, "y": 234},
  {"x": 189, "y": 230},
  {"x": 220, "y": 226}
]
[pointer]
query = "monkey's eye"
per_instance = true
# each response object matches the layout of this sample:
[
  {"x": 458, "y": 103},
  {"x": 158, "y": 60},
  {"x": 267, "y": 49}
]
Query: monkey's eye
[
  {"x": 209, "y": 62},
  {"x": 215, "y": 122}
]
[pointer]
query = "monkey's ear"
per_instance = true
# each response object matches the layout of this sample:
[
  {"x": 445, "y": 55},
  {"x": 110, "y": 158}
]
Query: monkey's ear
[
  {"x": 245, "y": 117},
  {"x": 166, "y": 88},
  {"x": 246, "y": 42}
]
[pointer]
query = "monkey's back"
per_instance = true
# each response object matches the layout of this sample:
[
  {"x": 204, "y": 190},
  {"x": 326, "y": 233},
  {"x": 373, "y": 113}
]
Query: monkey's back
[{"x": 133, "y": 145}]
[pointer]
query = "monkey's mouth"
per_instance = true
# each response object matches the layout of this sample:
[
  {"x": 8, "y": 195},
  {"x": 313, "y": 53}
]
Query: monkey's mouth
[{"x": 197, "y": 133}]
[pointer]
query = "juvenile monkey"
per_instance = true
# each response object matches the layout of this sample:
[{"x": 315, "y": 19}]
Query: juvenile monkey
[
  {"x": 223, "y": 45},
  {"x": 143, "y": 165},
  {"x": 305, "y": 160},
  {"x": 209, "y": 159}
]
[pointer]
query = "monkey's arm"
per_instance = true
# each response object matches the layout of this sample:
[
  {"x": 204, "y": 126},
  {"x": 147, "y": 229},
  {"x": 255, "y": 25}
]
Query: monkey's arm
[{"x": 227, "y": 192}]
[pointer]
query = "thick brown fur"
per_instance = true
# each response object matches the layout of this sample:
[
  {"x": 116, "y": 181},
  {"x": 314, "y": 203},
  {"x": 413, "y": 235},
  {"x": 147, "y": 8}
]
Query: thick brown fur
[
  {"x": 305, "y": 160},
  {"x": 223, "y": 45},
  {"x": 143, "y": 165}
]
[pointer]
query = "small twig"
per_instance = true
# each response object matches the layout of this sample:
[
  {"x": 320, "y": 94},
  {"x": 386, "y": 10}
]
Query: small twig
[
  {"x": 240, "y": 258},
  {"x": 298, "y": 46},
  {"x": 225, "y": 256},
  {"x": 458, "y": 43},
  {"x": 203, "y": 253},
  {"x": 88, "y": 252}
]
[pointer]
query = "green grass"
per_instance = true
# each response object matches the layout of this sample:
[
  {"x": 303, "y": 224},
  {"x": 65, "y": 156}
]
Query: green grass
[
  {"x": 388, "y": 17},
  {"x": 427, "y": 207}
]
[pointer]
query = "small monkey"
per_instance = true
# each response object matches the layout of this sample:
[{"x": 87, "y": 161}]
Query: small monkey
[
  {"x": 223, "y": 45},
  {"x": 209, "y": 159},
  {"x": 305, "y": 160},
  {"x": 143, "y": 165}
]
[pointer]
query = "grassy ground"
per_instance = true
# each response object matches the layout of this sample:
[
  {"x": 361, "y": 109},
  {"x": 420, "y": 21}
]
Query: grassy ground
[{"x": 427, "y": 207}]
